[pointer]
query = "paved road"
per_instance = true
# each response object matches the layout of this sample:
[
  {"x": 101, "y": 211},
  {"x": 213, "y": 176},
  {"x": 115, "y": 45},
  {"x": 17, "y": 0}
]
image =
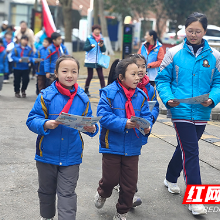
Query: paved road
[{"x": 18, "y": 176}]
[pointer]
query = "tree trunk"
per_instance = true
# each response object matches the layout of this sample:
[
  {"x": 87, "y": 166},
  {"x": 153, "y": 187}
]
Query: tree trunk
[
  {"x": 104, "y": 29},
  {"x": 67, "y": 15},
  {"x": 96, "y": 12}
]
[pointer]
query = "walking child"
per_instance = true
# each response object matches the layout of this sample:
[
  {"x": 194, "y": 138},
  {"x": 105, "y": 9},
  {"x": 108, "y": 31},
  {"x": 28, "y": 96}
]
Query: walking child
[
  {"x": 54, "y": 51},
  {"x": 41, "y": 53},
  {"x": 3, "y": 63},
  {"x": 21, "y": 66},
  {"x": 120, "y": 141},
  {"x": 59, "y": 148}
]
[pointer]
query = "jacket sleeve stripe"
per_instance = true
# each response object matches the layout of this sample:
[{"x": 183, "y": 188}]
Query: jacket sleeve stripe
[{"x": 44, "y": 108}]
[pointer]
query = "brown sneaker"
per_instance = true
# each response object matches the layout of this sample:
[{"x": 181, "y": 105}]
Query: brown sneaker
[
  {"x": 23, "y": 94},
  {"x": 17, "y": 95}
]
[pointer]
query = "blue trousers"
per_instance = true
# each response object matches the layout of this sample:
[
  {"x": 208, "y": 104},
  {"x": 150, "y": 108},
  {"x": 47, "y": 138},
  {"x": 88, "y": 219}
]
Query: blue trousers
[{"x": 186, "y": 155}]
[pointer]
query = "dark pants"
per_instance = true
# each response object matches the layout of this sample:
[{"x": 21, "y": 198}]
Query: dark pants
[
  {"x": 152, "y": 83},
  {"x": 10, "y": 68},
  {"x": 21, "y": 75},
  {"x": 50, "y": 80},
  {"x": 58, "y": 180},
  {"x": 186, "y": 155},
  {"x": 122, "y": 170},
  {"x": 90, "y": 75},
  {"x": 41, "y": 82}
]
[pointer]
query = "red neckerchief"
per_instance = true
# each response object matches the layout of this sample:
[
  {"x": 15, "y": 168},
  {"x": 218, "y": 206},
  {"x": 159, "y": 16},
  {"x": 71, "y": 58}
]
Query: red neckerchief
[
  {"x": 22, "y": 51},
  {"x": 97, "y": 38},
  {"x": 2, "y": 49},
  {"x": 8, "y": 41},
  {"x": 128, "y": 105},
  {"x": 144, "y": 81},
  {"x": 67, "y": 92},
  {"x": 56, "y": 51}
]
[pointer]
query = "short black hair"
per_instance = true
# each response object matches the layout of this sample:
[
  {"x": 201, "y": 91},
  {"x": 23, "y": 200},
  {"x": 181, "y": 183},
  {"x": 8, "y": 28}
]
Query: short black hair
[
  {"x": 55, "y": 35},
  {"x": 48, "y": 39},
  {"x": 96, "y": 26},
  {"x": 9, "y": 32},
  {"x": 119, "y": 67},
  {"x": 23, "y": 22},
  {"x": 25, "y": 37},
  {"x": 196, "y": 16},
  {"x": 66, "y": 57},
  {"x": 1, "y": 41}
]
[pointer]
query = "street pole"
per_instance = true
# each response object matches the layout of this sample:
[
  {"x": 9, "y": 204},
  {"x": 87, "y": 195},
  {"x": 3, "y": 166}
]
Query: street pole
[{"x": 36, "y": 4}]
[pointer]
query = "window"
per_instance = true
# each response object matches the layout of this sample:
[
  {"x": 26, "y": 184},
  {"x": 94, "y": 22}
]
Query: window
[
  {"x": 146, "y": 25},
  {"x": 213, "y": 33}
]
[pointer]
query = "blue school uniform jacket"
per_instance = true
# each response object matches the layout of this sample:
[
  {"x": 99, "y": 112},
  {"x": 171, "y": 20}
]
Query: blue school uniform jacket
[
  {"x": 114, "y": 137},
  {"x": 16, "y": 56},
  {"x": 153, "y": 97},
  {"x": 41, "y": 53},
  {"x": 185, "y": 75},
  {"x": 3, "y": 62},
  {"x": 63, "y": 145},
  {"x": 50, "y": 62}
]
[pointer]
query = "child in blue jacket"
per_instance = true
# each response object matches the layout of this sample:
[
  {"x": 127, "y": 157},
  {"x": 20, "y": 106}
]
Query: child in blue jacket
[
  {"x": 21, "y": 68},
  {"x": 42, "y": 53},
  {"x": 120, "y": 141},
  {"x": 54, "y": 51},
  {"x": 59, "y": 148},
  {"x": 3, "y": 63}
]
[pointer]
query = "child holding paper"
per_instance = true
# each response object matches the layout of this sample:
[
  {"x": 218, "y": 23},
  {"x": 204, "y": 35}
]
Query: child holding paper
[
  {"x": 22, "y": 55},
  {"x": 59, "y": 148},
  {"x": 120, "y": 141}
]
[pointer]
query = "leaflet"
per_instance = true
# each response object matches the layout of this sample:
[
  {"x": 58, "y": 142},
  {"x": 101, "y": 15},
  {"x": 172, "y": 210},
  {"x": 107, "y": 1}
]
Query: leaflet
[
  {"x": 77, "y": 122},
  {"x": 151, "y": 105},
  {"x": 24, "y": 59},
  {"x": 38, "y": 59},
  {"x": 193, "y": 100},
  {"x": 141, "y": 122}
]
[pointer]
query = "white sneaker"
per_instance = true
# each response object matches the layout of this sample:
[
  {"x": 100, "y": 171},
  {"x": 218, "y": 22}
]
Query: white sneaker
[
  {"x": 172, "y": 187},
  {"x": 136, "y": 201},
  {"x": 120, "y": 216},
  {"x": 5, "y": 81},
  {"x": 197, "y": 209},
  {"x": 99, "y": 201}
]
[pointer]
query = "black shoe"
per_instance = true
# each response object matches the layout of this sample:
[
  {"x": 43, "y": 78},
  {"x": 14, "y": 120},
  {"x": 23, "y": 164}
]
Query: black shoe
[{"x": 87, "y": 92}]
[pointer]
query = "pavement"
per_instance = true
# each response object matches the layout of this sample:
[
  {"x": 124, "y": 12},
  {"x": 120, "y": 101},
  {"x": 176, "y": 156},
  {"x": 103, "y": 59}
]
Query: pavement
[{"x": 18, "y": 174}]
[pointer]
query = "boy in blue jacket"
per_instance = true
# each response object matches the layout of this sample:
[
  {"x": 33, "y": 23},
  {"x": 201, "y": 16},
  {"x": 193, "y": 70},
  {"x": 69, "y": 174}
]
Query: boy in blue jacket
[
  {"x": 22, "y": 55},
  {"x": 54, "y": 51},
  {"x": 3, "y": 63},
  {"x": 41, "y": 75}
]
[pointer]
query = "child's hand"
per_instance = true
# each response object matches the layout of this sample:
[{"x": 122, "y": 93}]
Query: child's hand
[
  {"x": 173, "y": 103},
  {"x": 130, "y": 124},
  {"x": 20, "y": 60},
  {"x": 90, "y": 129},
  {"x": 51, "y": 124},
  {"x": 48, "y": 75},
  {"x": 92, "y": 45},
  {"x": 147, "y": 130}
]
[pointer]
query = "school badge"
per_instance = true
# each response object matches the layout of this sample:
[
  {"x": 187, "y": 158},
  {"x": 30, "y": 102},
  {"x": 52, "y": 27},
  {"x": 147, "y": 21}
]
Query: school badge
[
  {"x": 206, "y": 63},
  {"x": 155, "y": 50}
]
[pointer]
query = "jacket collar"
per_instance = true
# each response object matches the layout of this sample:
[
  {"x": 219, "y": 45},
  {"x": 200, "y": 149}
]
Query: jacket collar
[{"x": 158, "y": 44}]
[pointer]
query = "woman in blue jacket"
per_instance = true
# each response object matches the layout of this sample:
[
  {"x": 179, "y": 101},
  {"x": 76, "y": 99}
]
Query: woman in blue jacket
[
  {"x": 59, "y": 149},
  {"x": 94, "y": 46},
  {"x": 120, "y": 142},
  {"x": 188, "y": 70}
]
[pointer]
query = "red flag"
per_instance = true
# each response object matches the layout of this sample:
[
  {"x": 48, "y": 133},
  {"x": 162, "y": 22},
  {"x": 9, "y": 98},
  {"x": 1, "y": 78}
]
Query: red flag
[{"x": 48, "y": 22}]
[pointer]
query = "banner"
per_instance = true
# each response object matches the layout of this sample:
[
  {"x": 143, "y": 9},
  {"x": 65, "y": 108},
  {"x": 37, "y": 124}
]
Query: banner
[{"x": 48, "y": 22}]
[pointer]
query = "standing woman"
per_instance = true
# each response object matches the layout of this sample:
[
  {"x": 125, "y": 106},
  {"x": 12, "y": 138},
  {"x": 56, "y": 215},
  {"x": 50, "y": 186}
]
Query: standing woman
[
  {"x": 188, "y": 70},
  {"x": 153, "y": 52},
  {"x": 94, "y": 46}
]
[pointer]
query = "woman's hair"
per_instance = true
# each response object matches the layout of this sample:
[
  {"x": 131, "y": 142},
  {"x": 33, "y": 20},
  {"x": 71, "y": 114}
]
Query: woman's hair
[
  {"x": 65, "y": 57},
  {"x": 196, "y": 16},
  {"x": 96, "y": 26},
  {"x": 154, "y": 33},
  {"x": 119, "y": 67},
  {"x": 138, "y": 56}
]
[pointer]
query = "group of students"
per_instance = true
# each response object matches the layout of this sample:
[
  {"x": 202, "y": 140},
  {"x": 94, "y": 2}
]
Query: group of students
[
  {"x": 19, "y": 56},
  {"x": 187, "y": 70}
]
